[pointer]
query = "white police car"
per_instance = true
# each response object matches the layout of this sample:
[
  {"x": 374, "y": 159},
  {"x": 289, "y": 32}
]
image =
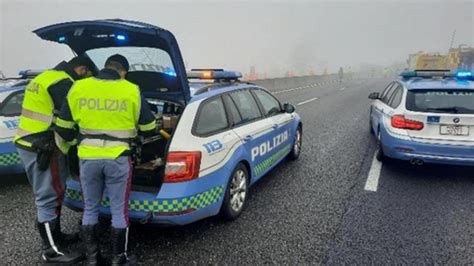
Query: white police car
[
  {"x": 426, "y": 116},
  {"x": 11, "y": 98},
  {"x": 220, "y": 135}
]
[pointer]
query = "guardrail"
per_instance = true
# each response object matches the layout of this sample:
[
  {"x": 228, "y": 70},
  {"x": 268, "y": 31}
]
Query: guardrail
[{"x": 283, "y": 84}]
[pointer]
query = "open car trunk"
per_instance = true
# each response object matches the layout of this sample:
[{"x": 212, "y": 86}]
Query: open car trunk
[
  {"x": 148, "y": 153},
  {"x": 156, "y": 66}
]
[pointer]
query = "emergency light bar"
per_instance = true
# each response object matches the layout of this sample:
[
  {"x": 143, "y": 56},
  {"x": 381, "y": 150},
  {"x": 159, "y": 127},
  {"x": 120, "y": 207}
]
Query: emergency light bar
[
  {"x": 438, "y": 73},
  {"x": 29, "y": 73},
  {"x": 213, "y": 74}
]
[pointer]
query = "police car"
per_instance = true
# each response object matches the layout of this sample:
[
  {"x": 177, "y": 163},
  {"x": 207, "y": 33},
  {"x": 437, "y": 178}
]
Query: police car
[
  {"x": 427, "y": 116},
  {"x": 11, "y": 98},
  {"x": 220, "y": 135}
]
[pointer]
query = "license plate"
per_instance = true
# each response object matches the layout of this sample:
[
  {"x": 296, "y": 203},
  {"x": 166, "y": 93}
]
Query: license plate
[{"x": 454, "y": 130}]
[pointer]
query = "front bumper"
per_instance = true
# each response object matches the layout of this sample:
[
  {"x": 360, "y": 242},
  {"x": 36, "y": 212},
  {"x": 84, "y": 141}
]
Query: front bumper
[
  {"x": 175, "y": 204},
  {"x": 404, "y": 149}
]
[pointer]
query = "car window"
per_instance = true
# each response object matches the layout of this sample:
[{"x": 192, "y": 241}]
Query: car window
[
  {"x": 457, "y": 101},
  {"x": 246, "y": 105},
  {"x": 12, "y": 104},
  {"x": 271, "y": 106},
  {"x": 211, "y": 117},
  {"x": 386, "y": 97},
  {"x": 396, "y": 97},
  {"x": 385, "y": 91},
  {"x": 234, "y": 113}
]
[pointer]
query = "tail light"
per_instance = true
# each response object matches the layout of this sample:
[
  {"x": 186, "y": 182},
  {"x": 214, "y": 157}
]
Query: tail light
[
  {"x": 399, "y": 121},
  {"x": 182, "y": 166}
]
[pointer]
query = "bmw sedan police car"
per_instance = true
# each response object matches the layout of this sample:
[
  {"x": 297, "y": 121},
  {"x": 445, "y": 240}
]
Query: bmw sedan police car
[
  {"x": 11, "y": 98},
  {"x": 218, "y": 137},
  {"x": 426, "y": 116}
]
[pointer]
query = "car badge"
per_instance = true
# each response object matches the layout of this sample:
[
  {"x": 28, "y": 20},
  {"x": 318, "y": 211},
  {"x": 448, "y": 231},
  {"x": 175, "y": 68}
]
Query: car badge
[{"x": 456, "y": 120}]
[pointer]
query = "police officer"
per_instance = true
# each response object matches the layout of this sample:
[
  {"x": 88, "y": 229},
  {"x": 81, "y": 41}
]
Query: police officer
[
  {"x": 107, "y": 110},
  {"x": 44, "y": 165}
]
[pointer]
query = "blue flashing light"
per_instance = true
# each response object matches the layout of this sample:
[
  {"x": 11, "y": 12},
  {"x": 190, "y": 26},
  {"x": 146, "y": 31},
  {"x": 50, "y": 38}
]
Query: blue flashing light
[
  {"x": 120, "y": 37},
  {"x": 464, "y": 74},
  {"x": 170, "y": 73},
  {"x": 62, "y": 39}
]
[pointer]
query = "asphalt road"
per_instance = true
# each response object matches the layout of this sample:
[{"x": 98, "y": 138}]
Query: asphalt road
[{"x": 314, "y": 210}]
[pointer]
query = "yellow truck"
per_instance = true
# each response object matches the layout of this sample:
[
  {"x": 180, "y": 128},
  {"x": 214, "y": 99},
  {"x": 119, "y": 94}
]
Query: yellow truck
[{"x": 422, "y": 60}]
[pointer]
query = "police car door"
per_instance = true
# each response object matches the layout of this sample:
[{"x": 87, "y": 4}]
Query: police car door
[
  {"x": 281, "y": 123},
  {"x": 252, "y": 127},
  {"x": 380, "y": 108}
]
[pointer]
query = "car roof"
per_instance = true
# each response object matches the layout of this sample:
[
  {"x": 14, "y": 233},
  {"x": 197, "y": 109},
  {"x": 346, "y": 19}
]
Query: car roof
[
  {"x": 214, "y": 89},
  {"x": 10, "y": 85},
  {"x": 446, "y": 83}
]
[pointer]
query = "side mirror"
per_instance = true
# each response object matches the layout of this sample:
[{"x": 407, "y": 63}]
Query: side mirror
[
  {"x": 374, "y": 96},
  {"x": 289, "y": 108}
]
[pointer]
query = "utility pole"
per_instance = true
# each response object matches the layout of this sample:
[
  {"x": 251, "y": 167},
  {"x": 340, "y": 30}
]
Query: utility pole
[{"x": 452, "y": 40}]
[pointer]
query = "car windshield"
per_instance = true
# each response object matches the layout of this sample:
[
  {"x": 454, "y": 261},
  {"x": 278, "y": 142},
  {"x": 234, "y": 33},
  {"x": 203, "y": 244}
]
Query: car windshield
[
  {"x": 139, "y": 58},
  {"x": 441, "y": 101}
]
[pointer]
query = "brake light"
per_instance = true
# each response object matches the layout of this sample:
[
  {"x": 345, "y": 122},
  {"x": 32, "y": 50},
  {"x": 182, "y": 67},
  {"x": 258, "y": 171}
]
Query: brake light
[
  {"x": 182, "y": 166},
  {"x": 399, "y": 121}
]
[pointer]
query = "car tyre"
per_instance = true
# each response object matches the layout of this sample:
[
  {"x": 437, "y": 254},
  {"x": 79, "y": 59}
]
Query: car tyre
[
  {"x": 236, "y": 193},
  {"x": 380, "y": 155},
  {"x": 296, "y": 150}
]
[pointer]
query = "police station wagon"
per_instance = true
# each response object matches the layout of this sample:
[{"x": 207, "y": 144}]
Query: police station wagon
[
  {"x": 218, "y": 137},
  {"x": 426, "y": 116},
  {"x": 11, "y": 98}
]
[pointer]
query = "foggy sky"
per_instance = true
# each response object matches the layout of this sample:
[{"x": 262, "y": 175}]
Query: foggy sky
[{"x": 273, "y": 36}]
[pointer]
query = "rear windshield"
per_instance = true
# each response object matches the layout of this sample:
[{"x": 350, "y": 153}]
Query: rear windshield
[
  {"x": 139, "y": 58},
  {"x": 441, "y": 101}
]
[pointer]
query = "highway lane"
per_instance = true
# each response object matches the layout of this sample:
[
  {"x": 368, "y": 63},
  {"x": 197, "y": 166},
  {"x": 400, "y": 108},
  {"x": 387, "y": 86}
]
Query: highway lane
[{"x": 314, "y": 210}]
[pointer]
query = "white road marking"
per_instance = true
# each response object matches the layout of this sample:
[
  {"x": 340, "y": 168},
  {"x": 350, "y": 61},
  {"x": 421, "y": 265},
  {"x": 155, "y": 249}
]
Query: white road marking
[
  {"x": 372, "y": 182},
  {"x": 307, "y": 101},
  {"x": 343, "y": 88}
]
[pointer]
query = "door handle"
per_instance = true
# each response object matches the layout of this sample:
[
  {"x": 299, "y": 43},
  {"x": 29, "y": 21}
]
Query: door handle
[{"x": 247, "y": 138}]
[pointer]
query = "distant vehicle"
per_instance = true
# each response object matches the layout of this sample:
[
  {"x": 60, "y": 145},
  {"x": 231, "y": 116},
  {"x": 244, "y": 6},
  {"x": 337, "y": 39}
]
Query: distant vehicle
[
  {"x": 220, "y": 135},
  {"x": 11, "y": 99},
  {"x": 422, "y": 60},
  {"x": 426, "y": 116}
]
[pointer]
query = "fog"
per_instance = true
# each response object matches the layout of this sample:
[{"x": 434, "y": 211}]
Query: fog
[{"x": 273, "y": 36}]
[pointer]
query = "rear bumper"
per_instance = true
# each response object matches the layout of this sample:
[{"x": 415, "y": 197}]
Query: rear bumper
[
  {"x": 405, "y": 149},
  {"x": 175, "y": 204},
  {"x": 10, "y": 162}
]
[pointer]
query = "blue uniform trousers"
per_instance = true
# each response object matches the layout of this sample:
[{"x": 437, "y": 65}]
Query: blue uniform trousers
[{"x": 110, "y": 178}]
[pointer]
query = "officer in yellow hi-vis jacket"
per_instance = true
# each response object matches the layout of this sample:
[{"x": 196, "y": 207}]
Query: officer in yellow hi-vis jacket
[
  {"x": 106, "y": 110},
  {"x": 45, "y": 165}
]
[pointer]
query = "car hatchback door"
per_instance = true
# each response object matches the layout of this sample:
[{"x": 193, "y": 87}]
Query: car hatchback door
[{"x": 85, "y": 36}]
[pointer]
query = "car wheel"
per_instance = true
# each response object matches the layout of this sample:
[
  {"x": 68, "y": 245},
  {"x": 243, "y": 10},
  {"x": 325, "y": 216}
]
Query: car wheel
[
  {"x": 296, "y": 150},
  {"x": 380, "y": 154},
  {"x": 236, "y": 193}
]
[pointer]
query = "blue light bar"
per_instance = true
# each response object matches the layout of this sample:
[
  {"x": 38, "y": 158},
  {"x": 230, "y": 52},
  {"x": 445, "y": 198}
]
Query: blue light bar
[
  {"x": 29, "y": 73},
  {"x": 214, "y": 74},
  {"x": 62, "y": 39},
  {"x": 120, "y": 37},
  {"x": 463, "y": 74},
  {"x": 426, "y": 73}
]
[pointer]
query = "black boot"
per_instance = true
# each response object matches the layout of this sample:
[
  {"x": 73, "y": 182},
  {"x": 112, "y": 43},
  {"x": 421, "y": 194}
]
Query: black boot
[
  {"x": 89, "y": 236},
  {"x": 66, "y": 239},
  {"x": 119, "y": 238},
  {"x": 51, "y": 252}
]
